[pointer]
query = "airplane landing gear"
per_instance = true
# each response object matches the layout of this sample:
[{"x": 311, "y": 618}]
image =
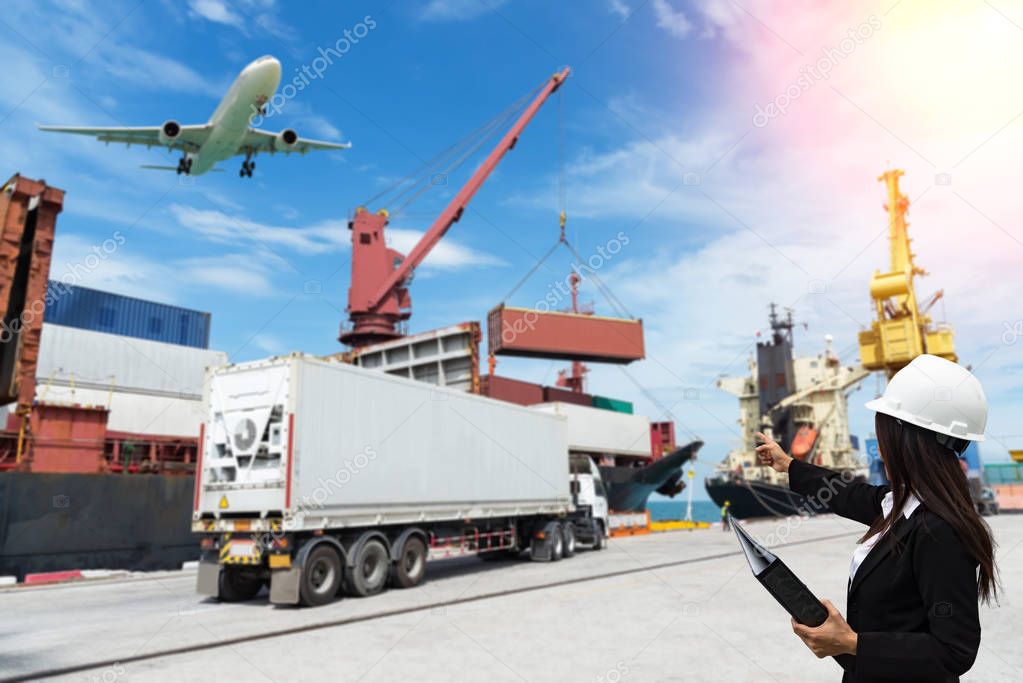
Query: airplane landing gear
[
  {"x": 184, "y": 165},
  {"x": 247, "y": 168}
]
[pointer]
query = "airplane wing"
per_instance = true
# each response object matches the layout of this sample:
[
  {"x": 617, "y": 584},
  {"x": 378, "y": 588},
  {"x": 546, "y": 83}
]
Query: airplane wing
[
  {"x": 190, "y": 139},
  {"x": 261, "y": 141}
]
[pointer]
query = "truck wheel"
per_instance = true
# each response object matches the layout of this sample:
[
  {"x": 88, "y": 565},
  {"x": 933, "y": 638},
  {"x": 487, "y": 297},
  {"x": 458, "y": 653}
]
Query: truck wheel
[
  {"x": 410, "y": 568},
  {"x": 236, "y": 586},
  {"x": 599, "y": 541},
  {"x": 321, "y": 576},
  {"x": 568, "y": 536},
  {"x": 369, "y": 573},
  {"x": 557, "y": 543}
]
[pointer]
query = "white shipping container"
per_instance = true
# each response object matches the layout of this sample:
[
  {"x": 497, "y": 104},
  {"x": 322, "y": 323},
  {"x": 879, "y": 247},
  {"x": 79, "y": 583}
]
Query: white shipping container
[
  {"x": 596, "y": 431},
  {"x": 99, "y": 360},
  {"x": 333, "y": 445}
]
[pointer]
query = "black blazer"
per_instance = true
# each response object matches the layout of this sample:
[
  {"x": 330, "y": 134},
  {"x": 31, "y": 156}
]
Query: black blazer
[{"x": 915, "y": 610}]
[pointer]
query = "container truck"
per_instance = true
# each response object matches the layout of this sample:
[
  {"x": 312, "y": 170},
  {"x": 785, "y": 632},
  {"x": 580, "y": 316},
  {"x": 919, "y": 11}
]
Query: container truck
[{"x": 319, "y": 478}]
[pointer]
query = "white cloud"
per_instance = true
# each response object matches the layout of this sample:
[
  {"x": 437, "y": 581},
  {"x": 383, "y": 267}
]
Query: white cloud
[
  {"x": 269, "y": 343},
  {"x": 457, "y": 10},
  {"x": 245, "y": 16},
  {"x": 217, "y": 226},
  {"x": 238, "y": 273},
  {"x": 620, "y": 8},
  {"x": 215, "y": 11},
  {"x": 447, "y": 255},
  {"x": 114, "y": 263},
  {"x": 317, "y": 238},
  {"x": 319, "y": 127},
  {"x": 671, "y": 20}
]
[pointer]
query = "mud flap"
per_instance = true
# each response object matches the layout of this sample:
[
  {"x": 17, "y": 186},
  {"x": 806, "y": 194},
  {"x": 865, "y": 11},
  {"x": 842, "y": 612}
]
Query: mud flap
[
  {"x": 284, "y": 586},
  {"x": 208, "y": 578},
  {"x": 540, "y": 550}
]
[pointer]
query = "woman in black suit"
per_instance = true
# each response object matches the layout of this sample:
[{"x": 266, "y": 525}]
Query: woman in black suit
[{"x": 927, "y": 556}]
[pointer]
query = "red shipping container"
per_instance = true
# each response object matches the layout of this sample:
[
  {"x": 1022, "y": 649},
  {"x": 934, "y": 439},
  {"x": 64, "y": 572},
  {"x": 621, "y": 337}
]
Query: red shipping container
[
  {"x": 566, "y": 336},
  {"x": 511, "y": 390},
  {"x": 662, "y": 438},
  {"x": 556, "y": 395},
  {"x": 67, "y": 438}
]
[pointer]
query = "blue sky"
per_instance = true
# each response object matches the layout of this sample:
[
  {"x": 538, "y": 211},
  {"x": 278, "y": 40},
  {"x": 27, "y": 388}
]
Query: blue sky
[{"x": 722, "y": 216}]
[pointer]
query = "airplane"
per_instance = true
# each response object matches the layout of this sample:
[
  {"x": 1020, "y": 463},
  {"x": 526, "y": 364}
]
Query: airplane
[{"x": 227, "y": 133}]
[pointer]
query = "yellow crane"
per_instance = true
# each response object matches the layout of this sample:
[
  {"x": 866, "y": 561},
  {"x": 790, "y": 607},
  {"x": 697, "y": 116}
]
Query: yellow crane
[{"x": 902, "y": 329}]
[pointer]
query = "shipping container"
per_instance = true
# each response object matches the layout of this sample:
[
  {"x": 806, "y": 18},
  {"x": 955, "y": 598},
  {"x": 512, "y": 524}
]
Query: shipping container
[
  {"x": 511, "y": 390},
  {"x": 103, "y": 361},
  {"x": 92, "y": 309},
  {"x": 559, "y": 395},
  {"x": 428, "y": 452},
  {"x": 617, "y": 405},
  {"x": 149, "y": 387},
  {"x": 662, "y": 438},
  {"x": 566, "y": 336},
  {"x": 595, "y": 431}
]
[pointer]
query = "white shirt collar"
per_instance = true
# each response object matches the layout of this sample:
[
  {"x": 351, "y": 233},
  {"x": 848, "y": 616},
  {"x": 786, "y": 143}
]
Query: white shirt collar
[
  {"x": 908, "y": 508},
  {"x": 887, "y": 503}
]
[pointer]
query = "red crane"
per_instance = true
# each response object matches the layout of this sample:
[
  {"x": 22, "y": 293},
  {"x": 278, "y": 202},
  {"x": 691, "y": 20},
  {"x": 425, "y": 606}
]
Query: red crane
[{"x": 378, "y": 298}]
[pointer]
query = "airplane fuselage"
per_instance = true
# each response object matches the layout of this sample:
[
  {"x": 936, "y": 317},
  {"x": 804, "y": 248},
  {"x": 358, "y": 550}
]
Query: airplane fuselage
[{"x": 253, "y": 88}]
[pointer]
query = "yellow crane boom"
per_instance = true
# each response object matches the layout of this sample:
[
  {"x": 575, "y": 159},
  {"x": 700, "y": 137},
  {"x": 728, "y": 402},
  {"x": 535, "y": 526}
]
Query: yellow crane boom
[{"x": 901, "y": 331}]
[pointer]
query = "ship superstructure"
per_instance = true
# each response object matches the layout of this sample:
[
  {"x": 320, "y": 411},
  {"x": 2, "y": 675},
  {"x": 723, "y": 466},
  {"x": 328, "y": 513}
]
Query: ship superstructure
[{"x": 802, "y": 402}]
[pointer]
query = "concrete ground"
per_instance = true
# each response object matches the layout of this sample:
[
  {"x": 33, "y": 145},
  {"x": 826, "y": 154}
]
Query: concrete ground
[{"x": 705, "y": 619}]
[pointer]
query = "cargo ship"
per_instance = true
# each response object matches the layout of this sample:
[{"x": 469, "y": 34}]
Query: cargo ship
[{"x": 802, "y": 403}]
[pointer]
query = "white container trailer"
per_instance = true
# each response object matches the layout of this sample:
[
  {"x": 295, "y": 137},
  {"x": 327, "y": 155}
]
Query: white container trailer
[{"x": 311, "y": 469}]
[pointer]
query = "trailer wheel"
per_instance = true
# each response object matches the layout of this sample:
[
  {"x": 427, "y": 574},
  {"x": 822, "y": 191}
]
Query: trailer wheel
[
  {"x": 321, "y": 576},
  {"x": 410, "y": 568},
  {"x": 557, "y": 542},
  {"x": 369, "y": 573},
  {"x": 568, "y": 535},
  {"x": 237, "y": 586}
]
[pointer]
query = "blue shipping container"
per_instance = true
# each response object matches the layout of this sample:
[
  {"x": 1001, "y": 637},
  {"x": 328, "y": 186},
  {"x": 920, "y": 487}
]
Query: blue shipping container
[
  {"x": 92, "y": 309},
  {"x": 877, "y": 473}
]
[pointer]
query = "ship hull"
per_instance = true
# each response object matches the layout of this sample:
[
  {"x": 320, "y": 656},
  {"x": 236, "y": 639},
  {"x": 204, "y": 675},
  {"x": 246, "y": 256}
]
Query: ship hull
[
  {"x": 628, "y": 488},
  {"x": 56, "y": 522},
  {"x": 754, "y": 499}
]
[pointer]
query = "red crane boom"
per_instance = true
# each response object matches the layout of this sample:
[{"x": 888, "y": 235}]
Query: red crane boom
[{"x": 378, "y": 298}]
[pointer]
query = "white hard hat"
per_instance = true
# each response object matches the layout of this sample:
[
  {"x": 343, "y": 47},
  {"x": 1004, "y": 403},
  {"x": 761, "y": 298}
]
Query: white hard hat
[{"x": 938, "y": 395}]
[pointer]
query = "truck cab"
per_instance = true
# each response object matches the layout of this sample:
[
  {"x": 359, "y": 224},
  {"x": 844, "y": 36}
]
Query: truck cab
[{"x": 589, "y": 495}]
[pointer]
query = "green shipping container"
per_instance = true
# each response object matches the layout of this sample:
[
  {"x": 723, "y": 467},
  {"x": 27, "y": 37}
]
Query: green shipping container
[{"x": 605, "y": 403}]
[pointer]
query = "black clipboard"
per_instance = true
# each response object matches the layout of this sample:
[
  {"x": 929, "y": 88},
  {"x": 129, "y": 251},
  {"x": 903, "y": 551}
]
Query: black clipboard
[{"x": 780, "y": 581}]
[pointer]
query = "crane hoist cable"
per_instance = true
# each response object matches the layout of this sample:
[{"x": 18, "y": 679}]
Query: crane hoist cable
[
  {"x": 470, "y": 144},
  {"x": 615, "y": 303},
  {"x": 423, "y": 173},
  {"x": 496, "y": 129}
]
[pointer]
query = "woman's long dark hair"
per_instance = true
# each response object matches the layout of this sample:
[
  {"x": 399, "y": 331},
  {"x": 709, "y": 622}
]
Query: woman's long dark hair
[{"x": 918, "y": 464}]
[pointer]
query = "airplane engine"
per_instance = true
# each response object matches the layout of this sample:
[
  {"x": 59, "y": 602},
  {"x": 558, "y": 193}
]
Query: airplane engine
[
  {"x": 169, "y": 132},
  {"x": 285, "y": 140}
]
